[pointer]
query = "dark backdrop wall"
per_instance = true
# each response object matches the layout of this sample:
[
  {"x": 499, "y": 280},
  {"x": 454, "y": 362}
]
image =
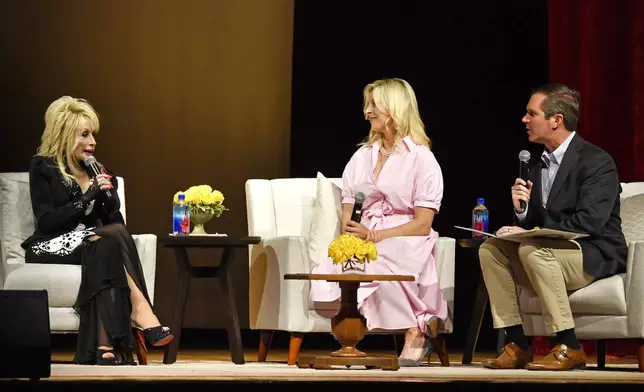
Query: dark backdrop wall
[
  {"x": 198, "y": 92},
  {"x": 472, "y": 65},
  {"x": 189, "y": 92}
]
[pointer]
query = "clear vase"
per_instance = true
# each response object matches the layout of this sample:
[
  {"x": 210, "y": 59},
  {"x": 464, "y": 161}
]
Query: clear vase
[{"x": 353, "y": 266}]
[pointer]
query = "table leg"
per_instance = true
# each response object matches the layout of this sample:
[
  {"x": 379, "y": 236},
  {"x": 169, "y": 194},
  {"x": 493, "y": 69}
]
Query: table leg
[
  {"x": 227, "y": 284},
  {"x": 480, "y": 303},
  {"x": 183, "y": 287}
]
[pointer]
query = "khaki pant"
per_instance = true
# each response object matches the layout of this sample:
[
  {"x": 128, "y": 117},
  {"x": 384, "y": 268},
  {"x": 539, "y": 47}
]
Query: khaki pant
[{"x": 549, "y": 267}]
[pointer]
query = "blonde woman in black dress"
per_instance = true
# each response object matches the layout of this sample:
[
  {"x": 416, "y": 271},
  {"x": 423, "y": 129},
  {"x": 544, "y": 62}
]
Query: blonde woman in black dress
[{"x": 77, "y": 223}]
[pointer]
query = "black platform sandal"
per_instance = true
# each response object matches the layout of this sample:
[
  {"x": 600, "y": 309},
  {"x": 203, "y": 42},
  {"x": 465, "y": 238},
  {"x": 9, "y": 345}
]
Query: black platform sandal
[
  {"x": 107, "y": 361},
  {"x": 154, "y": 336}
]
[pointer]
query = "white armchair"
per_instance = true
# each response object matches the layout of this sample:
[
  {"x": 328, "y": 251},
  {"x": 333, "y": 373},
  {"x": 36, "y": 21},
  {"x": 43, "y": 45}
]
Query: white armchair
[
  {"x": 62, "y": 282},
  {"x": 611, "y": 308},
  {"x": 280, "y": 212}
]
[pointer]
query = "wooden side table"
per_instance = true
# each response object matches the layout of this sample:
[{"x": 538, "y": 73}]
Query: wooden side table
[
  {"x": 186, "y": 272},
  {"x": 478, "y": 309},
  {"x": 348, "y": 325}
]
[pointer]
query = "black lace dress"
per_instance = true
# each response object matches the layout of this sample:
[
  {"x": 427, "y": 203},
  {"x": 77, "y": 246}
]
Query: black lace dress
[{"x": 66, "y": 228}]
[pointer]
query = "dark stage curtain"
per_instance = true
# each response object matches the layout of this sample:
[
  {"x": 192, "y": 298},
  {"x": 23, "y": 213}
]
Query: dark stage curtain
[{"x": 597, "y": 47}]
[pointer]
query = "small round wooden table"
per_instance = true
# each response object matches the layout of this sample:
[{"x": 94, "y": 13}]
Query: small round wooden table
[{"x": 348, "y": 325}]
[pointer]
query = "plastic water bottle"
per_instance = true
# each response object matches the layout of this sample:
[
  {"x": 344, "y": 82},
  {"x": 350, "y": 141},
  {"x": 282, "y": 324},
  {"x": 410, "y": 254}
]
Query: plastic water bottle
[
  {"x": 181, "y": 217},
  {"x": 480, "y": 217}
]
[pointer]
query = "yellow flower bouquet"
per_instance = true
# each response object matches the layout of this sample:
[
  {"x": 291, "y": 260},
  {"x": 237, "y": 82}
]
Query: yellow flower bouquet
[
  {"x": 205, "y": 203},
  {"x": 350, "y": 250}
]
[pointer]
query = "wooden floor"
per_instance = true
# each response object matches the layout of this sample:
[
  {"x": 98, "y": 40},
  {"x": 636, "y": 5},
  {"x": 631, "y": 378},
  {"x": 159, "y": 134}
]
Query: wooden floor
[
  {"x": 275, "y": 355},
  {"x": 204, "y": 363},
  {"x": 198, "y": 368},
  {"x": 280, "y": 355},
  {"x": 212, "y": 345}
]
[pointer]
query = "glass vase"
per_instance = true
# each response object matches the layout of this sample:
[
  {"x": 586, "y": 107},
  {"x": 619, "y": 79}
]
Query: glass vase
[{"x": 353, "y": 266}]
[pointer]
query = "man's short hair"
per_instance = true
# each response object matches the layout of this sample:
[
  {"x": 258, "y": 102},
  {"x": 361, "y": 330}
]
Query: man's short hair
[{"x": 560, "y": 99}]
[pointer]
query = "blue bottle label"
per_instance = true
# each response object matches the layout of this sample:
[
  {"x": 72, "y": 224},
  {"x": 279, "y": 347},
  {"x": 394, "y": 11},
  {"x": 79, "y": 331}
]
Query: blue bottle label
[{"x": 180, "y": 221}]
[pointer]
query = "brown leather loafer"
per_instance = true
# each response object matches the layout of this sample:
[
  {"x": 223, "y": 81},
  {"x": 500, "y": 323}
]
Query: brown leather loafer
[
  {"x": 512, "y": 357},
  {"x": 561, "y": 357}
]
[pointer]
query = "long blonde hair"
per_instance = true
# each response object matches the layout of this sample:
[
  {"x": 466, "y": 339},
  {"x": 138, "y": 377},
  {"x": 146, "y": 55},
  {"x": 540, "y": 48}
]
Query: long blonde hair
[
  {"x": 396, "y": 98},
  {"x": 58, "y": 141}
]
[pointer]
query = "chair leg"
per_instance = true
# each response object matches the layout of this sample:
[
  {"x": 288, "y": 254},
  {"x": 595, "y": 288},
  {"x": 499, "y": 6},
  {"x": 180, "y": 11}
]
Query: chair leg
[
  {"x": 640, "y": 355},
  {"x": 600, "y": 346},
  {"x": 265, "y": 338},
  {"x": 440, "y": 346},
  {"x": 294, "y": 347},
  {"x": 398, "y": 349}
]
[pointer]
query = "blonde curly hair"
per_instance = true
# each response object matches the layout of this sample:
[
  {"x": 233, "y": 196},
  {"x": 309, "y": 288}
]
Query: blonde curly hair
[
  {"x": 396, "y": 98},
  {"x": 58, "y": 141}
]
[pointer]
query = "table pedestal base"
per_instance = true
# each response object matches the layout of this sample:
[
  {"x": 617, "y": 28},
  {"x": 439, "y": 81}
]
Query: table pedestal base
[
  {"x": 327, "y": 361},
  {"x": 348, "y": 327}
]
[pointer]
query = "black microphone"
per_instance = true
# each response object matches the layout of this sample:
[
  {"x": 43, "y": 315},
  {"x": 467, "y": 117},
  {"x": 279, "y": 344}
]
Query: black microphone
[
  {"x": 356, "y": 215},
  {"x": 524, "y": 158},
  {"x": 93, "y": 166}
]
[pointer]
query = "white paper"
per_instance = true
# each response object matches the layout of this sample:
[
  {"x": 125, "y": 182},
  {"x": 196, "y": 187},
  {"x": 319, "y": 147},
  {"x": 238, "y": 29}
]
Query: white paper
[
  {"x": 475, "y": 231},
  {"x": 200, "y": 235},
  {"x": 533, "y": 233}
]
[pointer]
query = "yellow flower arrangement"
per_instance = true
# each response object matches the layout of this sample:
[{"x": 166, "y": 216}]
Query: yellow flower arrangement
[
  {"x": 204, "y": 199},
  {"x": 348, "y": 249}
]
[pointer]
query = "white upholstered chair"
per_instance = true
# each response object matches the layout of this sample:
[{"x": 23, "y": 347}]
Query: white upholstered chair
[
  {"x": 611, "y": 308},
  {"x": 61, "y": 281},
  {"x": 281, "y": 212}
]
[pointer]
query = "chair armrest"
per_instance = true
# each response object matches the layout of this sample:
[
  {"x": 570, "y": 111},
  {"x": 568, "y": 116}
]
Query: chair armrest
[
  {"x": 2, "y": 263},
  {"x": 445, "y": 261},
  {"x": 445, "y": 254},
  {"x": 635, "y": 288},
  {"x": 146, "y": 246},
  {"x": 274, "y": 303}
]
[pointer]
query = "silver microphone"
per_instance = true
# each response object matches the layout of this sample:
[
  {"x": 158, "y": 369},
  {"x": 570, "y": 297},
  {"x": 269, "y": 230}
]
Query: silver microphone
[{"x": 93, "y": 165}]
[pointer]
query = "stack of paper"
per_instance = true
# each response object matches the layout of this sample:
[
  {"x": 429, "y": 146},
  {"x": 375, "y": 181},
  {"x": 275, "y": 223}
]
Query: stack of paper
[{"x": 534, "y": 233}]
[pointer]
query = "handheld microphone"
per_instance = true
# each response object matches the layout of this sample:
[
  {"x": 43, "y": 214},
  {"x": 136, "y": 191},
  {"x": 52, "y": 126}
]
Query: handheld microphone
[
  {"x": 524, "y": 158},
  {"x": 356, "y": 215},
  {"x": 93, "y": 166}
]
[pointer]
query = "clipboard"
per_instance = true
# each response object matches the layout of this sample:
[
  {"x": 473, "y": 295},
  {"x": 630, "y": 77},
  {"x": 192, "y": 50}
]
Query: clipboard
[{"x": 533, "y": 233}]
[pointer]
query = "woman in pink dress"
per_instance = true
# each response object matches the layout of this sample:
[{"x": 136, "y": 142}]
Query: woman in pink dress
[{"x": 403, "y": 187}]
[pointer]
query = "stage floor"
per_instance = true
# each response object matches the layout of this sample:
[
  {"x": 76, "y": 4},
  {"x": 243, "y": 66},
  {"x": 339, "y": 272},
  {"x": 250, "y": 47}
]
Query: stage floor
[
  {"x": 215, "y": 365},
  {"x": 201, "y": 369}
]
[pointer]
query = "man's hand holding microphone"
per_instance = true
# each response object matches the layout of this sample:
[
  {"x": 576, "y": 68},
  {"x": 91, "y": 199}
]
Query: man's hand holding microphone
[
  {"x": 521, "y": 191},
  {"x": 521, "y": 194}
]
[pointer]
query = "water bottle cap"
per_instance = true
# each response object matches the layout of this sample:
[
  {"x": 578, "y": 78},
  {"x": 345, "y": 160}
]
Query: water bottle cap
[
  {"x": 480, "y": 200},
  {"x": 181, "y": 196}
]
